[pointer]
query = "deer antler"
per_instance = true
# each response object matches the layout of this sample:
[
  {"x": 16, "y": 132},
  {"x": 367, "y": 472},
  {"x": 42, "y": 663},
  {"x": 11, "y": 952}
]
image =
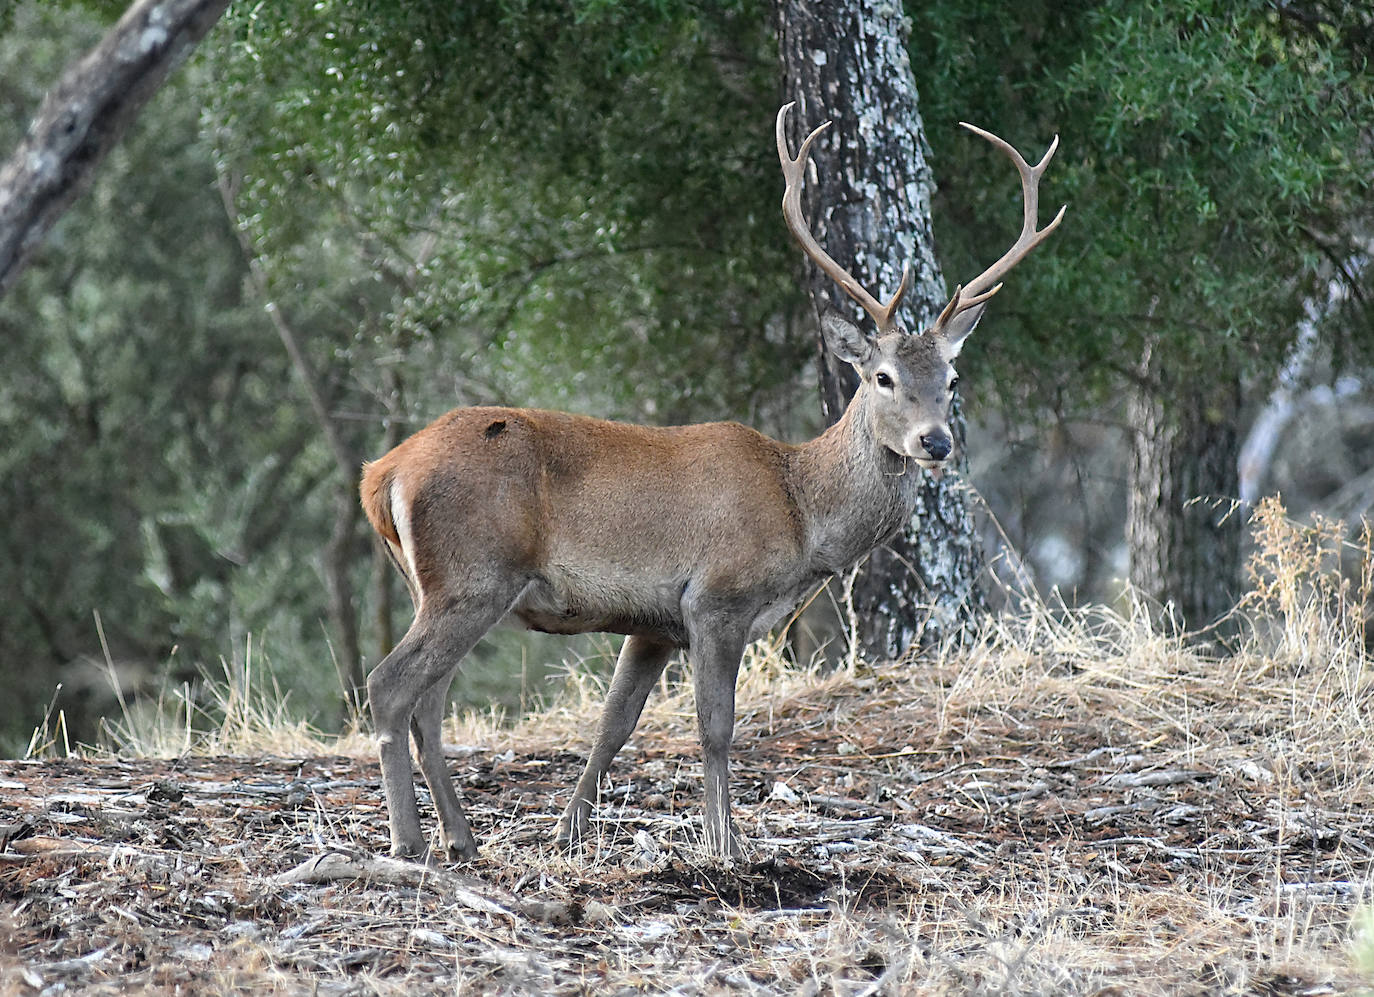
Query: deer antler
[
  {"x": 985, "y": 285},
  {"x": 794, "y": 172}
]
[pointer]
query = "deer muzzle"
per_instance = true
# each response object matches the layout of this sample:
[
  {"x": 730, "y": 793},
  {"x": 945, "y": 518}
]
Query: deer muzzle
[{"x": 929, "y": 446}]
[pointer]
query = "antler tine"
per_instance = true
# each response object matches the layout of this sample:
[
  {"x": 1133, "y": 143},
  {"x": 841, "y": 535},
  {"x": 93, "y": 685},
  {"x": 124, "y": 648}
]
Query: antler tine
[
  {"x": 958, "y": 303},
  {"x": 794, "y": 173},
  {"x": 986, "y": 284}
]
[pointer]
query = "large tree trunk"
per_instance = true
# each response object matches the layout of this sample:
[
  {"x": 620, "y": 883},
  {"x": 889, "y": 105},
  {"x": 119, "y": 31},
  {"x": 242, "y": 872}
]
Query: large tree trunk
[
  {"x": 1182, "y": 534},
  {"x": 846, "y": 60},
  {"x": 85, "y": 114}
]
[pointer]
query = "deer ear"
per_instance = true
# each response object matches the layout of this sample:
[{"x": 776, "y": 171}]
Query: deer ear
[
  {"x": 846, "y": 340},
  {"x": 953, "y": 335}
]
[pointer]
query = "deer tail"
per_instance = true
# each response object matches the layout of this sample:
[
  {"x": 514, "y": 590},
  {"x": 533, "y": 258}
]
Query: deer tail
[{"x": 376, "y": 498}]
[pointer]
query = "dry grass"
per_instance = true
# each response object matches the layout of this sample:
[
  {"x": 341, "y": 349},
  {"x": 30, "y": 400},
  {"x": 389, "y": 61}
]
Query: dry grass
[
  {"x": 241, "y": 711},
  {"x": 1078, "y": 802}
]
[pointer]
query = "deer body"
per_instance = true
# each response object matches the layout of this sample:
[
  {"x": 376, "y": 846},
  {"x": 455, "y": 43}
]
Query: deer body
[
  {"x": 595, "y": 527},
  {"x": 697, "y": 537},
  {"x": 573, "y": 525}
]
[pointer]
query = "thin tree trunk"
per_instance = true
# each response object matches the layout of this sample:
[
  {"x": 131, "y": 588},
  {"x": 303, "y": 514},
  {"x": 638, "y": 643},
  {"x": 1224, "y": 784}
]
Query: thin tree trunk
[
  {"x": 383, "y": 571},
  {"x": 1181, "y": 531},
  {"x": 85, "y": 113},
  {"x": 339, "y": 557},
  {"x": 846, "y": 60},
  {"x": 341, "y": 551}
]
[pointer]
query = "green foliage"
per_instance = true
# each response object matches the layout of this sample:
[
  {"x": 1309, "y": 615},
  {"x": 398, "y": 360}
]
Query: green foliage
[
  {"x": 518, "y": 203},
  {"x": 148, "y": 466},
  {"x": 1215, "y": 156},
  {"x": 529, "y": 198}
]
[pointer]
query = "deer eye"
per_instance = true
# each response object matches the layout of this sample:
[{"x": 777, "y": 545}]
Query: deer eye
[
  {"x": 883, "y": 379},
  {"x": 953, "y": 382}
]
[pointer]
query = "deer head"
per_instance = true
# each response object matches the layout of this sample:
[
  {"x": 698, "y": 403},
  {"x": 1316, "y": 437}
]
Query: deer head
[{"x": 907, "y": 381}]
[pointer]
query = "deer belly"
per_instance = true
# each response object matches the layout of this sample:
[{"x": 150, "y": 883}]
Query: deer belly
[{"x": 565, "y": 601}]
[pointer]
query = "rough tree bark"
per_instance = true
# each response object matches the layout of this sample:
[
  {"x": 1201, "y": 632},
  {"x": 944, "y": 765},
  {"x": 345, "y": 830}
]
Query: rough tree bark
[
  {"x": 1182, "y": 534},
  {"x": 85, "y": 114},
  {"x": 846, "y": 60}
]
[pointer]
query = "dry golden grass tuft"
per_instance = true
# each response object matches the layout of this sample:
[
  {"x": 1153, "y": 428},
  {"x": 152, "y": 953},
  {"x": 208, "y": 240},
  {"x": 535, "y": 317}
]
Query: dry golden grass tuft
[{"x": 240, "y": 711}]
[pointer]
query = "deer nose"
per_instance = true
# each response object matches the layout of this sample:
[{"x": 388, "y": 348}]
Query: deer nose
[{"x": 937, "y": 444}]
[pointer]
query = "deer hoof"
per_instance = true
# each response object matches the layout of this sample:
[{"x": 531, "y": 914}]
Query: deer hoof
[
  {"x": 572, "y": 828},
  {"x": 457, "y": 851},
  {"x": 410, "y": 852}
]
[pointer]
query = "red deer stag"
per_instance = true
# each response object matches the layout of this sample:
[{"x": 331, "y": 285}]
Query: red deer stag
[{"x": 687, "y": 537}]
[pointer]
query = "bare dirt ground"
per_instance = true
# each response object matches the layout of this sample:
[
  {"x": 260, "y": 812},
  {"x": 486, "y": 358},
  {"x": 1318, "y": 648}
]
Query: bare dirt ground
[{"x": 1143, "y": 821}]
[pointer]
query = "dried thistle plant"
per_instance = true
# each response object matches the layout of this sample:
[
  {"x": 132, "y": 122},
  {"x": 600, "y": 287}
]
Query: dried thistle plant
[{"x": 1312, "y": 587}]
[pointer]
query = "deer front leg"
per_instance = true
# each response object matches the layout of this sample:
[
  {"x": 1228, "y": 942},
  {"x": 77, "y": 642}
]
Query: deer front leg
[
  {"x": 641, "y": 661},
  {"x": 716, "y": 651}
]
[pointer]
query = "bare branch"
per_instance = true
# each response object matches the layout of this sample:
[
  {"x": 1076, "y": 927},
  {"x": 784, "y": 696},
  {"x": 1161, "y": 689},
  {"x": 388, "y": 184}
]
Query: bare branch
[{"x": 85, "y": 114}]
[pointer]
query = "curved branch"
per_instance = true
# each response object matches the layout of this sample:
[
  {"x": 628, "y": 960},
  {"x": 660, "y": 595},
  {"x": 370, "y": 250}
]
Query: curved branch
[{"x": 85, "y": 114}]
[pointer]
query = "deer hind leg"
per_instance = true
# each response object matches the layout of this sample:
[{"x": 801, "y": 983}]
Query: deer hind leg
[
  {"x": 641, "y": 662},
  {"x": 397, "y": 689},
  {"x": 426, "y": 726}
]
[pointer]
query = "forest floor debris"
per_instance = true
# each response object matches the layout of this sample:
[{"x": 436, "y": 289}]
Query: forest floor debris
[{"x": 1143, "y": 822}]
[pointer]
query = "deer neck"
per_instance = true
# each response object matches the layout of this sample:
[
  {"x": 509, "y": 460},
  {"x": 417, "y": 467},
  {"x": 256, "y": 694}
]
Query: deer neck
[{"x": 854, "y": 491}]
